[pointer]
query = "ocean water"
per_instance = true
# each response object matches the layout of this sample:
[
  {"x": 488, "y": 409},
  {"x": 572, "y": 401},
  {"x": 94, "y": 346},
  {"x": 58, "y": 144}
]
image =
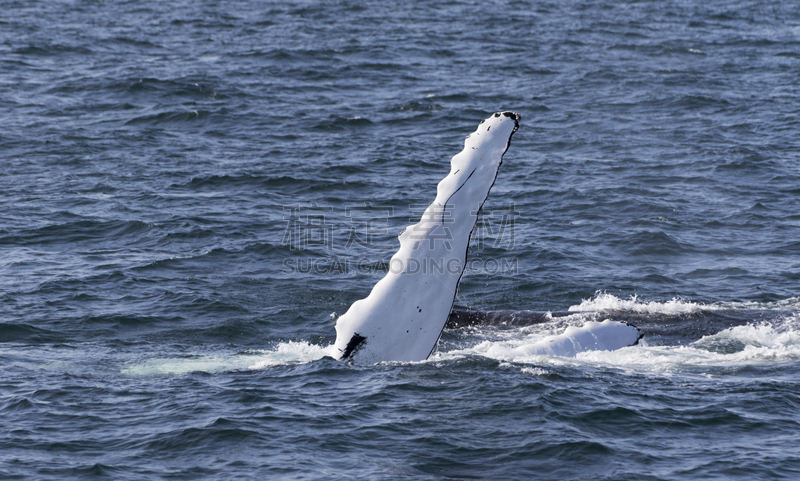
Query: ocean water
[{"x": 183, "y": 217}]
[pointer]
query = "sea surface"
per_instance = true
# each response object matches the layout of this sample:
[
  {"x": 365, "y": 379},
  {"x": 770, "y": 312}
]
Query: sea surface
[{"x": 191, "y": 192}]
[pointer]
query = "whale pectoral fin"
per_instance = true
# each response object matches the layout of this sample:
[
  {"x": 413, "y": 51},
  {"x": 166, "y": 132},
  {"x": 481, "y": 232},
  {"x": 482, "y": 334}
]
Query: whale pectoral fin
[
  {"x": 607, "y": 335},
  {"x": 404, "y": 314}
]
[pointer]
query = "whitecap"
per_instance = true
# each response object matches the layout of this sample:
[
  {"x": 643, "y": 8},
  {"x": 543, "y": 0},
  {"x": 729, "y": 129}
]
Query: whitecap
[{"x": 284, "y": 353}]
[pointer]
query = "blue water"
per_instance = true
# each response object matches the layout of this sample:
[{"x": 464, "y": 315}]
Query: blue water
[{"x": 178, "y": 233}]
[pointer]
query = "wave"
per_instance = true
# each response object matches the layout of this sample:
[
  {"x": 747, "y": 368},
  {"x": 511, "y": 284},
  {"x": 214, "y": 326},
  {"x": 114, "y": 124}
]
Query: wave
[
  {"x": 269, "y": 182},
  {"x": 178, "y": 116},
  {"x": 342, "y": 123},
  {"x": 102, "y": 231},
  {"x": 681, "y": 336},
  {"x": 180, "y": 87},
  {"x": 730, "y": 351},
  {"x": 602, "y": 301},
  {"x": 26, "y": 333},
  {"x": 767, "y": 341},
  {"x": 285, "y": 353},
  {"x": 608, "y": 302}
]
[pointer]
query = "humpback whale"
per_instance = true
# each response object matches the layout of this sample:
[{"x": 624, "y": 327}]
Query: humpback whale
[{"x": 403, "y": 316}]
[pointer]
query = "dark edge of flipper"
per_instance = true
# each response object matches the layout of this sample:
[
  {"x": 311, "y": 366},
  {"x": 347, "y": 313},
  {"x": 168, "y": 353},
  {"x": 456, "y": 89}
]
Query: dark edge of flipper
[
  {"x": 516, "y": 117},
  {"x": 641, "y": 334},
  {"x": 355, "y": 343}
]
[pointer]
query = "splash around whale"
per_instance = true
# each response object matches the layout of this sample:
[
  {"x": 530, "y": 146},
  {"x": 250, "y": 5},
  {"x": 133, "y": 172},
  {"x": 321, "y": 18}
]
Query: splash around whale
[{"x": 404, "y": 315}]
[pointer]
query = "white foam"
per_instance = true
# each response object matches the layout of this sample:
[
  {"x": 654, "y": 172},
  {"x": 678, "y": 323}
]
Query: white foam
[
  {"x": 609, "y": 302},
  {"x": 760, "y": 344},
  {"x": 603, "y": 301},
  {"x": 284, "y": 354},
  {"x": 534, "y": 371},
  {"x": 291, "y": 353},
  {"x": 737, "y": 347},
  {"x": 790, "y": 304}
]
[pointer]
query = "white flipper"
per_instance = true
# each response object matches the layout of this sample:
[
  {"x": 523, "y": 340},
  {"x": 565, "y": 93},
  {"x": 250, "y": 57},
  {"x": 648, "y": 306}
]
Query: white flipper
[
  {"x": 592, "y": 336},
  {"x": 403, "y": 316}
]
